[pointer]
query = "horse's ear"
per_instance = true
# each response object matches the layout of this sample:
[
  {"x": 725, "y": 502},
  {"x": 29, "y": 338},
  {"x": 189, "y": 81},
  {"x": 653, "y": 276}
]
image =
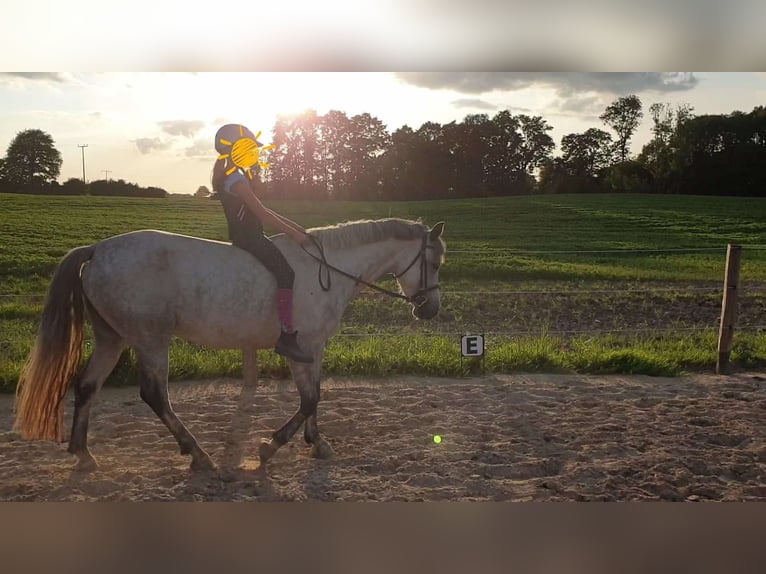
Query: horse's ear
[{"x": 436, "y": 230}]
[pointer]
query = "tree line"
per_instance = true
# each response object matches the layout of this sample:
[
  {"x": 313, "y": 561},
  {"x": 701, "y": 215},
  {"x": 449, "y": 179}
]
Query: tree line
[
  {"x": 687, "y": 154},
  {"x": 339, "y": 157},
  {"x": 336, "y": 156},
  {"x": 32, "y": 164}
]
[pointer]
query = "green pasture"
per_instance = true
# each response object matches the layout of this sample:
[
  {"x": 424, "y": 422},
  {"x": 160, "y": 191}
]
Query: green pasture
[{"x": 495, "y": 246}]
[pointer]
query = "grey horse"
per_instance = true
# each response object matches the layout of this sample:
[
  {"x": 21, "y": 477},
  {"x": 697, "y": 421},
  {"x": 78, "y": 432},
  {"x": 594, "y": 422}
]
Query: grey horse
[{"x": 142, "y": 288}]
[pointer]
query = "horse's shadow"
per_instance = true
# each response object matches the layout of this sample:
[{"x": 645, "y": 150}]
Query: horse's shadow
[
  {"x": 235, "y": 478},
  {"x": 256, "y": 481},
  {"x": 317, "y": 485},
  {"x": 240, "y": 426},
  {"x": 231, "y": 471}
]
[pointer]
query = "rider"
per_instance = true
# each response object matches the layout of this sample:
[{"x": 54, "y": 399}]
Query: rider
[{"x": 246, "y": 215}]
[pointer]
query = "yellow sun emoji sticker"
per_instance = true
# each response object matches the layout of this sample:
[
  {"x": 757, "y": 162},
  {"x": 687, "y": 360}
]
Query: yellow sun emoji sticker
[{"x": 237, "y": 143}]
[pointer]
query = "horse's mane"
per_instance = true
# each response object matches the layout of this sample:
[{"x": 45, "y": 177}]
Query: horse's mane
[{"x": 368, "y": 231}]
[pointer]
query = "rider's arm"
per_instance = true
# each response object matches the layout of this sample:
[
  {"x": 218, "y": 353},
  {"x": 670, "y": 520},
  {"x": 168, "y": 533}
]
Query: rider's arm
[
  {"x": 286, "y": 221},
  {"x": 267, "y": 216},
  {"x": 256, "y": 186}
]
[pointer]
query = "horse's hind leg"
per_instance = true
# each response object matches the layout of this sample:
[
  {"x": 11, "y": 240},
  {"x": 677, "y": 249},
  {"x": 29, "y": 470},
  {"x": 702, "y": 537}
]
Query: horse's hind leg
[
  {"x": 153, "y": 369},
  {"x": 106, "y": 352}
]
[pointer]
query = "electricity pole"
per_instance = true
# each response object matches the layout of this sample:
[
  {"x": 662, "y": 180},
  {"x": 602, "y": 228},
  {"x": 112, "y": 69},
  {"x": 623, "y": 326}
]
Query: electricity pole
[
  {"x": 82, "y": 147},
  {"x": 106, "y": 173}
]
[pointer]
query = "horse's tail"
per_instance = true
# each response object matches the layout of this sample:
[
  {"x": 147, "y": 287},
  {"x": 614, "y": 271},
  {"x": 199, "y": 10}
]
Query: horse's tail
[{"x": 56, "y": 355}]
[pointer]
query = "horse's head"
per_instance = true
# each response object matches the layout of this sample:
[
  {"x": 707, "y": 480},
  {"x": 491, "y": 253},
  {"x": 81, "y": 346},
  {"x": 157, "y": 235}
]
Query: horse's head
[{"x": 419, "y": 277}]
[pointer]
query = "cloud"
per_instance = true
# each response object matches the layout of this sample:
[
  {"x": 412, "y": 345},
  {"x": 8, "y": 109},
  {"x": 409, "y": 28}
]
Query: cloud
[
  {"x": 474, "y": 103},
  {"x": 148, "y": 145},
  {"x": 582, "y": 104},
  {"x": 565, "y": 83},
  {"x": 185, "y": 128},
  {"x": 36, "y": 76},
  {"x": 201, "y": 149}
]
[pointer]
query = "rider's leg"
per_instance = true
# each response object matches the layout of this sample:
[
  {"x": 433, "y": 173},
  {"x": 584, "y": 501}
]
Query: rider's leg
[{"x": 271, "y": 257}]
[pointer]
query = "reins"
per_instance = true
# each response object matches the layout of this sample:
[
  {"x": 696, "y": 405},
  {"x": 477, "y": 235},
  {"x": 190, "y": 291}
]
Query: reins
[{"x": 416, "y": 299}]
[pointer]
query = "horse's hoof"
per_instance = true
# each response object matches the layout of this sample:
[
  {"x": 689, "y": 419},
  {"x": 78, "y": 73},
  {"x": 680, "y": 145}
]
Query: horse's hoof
[
  {"x": 86, "y": 465},
  {"x": 266, "y": 450},
  {"x": 202, "y": 464},
  {"x": 322, "y": 449}
]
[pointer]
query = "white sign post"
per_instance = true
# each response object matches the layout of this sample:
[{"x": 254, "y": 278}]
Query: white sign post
[{"x": 472, "y": 346}]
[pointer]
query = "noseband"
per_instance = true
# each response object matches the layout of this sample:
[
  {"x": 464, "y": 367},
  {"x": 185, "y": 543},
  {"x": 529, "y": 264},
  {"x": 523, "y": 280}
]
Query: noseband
[{"x": 418, "y": 299}]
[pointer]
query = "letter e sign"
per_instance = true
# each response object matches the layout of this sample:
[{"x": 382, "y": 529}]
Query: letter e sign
[{"x": 472, "y": 345}]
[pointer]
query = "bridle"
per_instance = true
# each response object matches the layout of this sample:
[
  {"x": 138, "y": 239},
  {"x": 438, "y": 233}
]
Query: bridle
[{"x": 418, "y": 299}]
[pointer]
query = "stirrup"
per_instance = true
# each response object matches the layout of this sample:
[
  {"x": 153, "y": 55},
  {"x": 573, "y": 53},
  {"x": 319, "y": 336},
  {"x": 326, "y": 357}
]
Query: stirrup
[{"x": 287, "y": 346}]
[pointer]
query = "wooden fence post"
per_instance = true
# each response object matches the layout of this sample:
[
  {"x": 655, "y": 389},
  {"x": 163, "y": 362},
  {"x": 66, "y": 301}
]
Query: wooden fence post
[{"x": 728, "y": 307}]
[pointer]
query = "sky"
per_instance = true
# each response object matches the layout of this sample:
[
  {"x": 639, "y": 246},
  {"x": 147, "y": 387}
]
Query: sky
[{"x": 157, "y": 128}]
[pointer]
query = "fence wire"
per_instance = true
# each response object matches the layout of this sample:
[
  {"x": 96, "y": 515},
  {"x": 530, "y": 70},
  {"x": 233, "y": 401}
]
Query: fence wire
[
  {"x": 512, "y": 334},
  {"x": 504, "y": 292},
  {"x": 526, "y": 333},
  {"x": 499, "y": 250}
]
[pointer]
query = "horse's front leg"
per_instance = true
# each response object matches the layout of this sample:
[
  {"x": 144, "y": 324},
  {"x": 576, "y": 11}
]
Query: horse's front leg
[
  {"x": 306, "y": 378},
  {"x": 309, "y": 398},
  {"x": 320, "y": 448}
]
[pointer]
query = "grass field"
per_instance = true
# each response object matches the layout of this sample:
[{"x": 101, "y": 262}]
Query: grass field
[{"x": 510, "y": 272}]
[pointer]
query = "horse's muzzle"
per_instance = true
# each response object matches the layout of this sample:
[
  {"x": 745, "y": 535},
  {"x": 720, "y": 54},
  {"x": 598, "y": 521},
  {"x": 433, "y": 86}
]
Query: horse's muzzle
[{"x": 426, "y": 311}]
